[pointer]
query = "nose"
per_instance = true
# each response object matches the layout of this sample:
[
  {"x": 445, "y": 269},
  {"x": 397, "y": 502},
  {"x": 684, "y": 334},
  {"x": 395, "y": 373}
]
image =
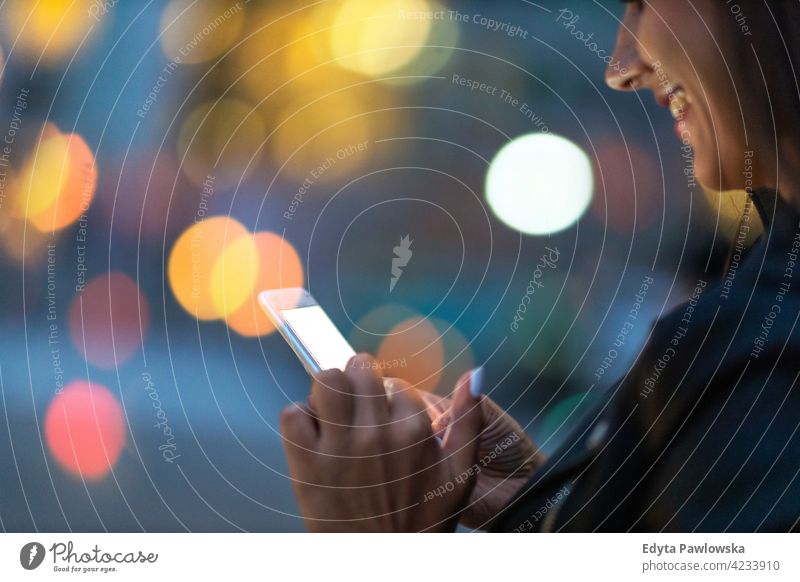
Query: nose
[{"x": 626, "y": 70}]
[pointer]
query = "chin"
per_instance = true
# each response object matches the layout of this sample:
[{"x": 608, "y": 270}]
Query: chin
[
  {"x": 715, "y": 176},
  {"x": 709, "y": 176}
]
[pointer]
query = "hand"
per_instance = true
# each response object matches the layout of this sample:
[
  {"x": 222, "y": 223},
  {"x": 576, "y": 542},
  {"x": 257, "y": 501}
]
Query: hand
[
  {"x": 501, "y": 473},
  {"x": 366, "y": 461}
]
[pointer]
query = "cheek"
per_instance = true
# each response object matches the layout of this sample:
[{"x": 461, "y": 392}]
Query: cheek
[
  {"x": 707, "y": 172},
  {"x": 719, "y": 145},
  {"x": 666, "y": 35}
]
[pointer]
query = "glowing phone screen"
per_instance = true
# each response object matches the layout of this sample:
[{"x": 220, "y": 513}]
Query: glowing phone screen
[{"x": 319, "y": 336}]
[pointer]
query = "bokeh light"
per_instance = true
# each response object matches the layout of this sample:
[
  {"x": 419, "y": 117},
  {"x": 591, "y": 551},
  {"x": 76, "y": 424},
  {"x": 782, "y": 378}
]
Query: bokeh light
[
  {"x": 84, "y": 428},
  {"x": 280, "y": 267},
  {"x": 372, "y": 327},
  {"x": 140, "y": 201},
  {"x": 234, "y": 275},
  {"x": 326, "y": 139},
  {"x": 413, "y": 351},
  {"x": 47, "y": 30},
  {"x": 628, "y": 187},
  {"x": 217, "y": 141},
  {"x": 374, "y": 38},
  {"x": 539, "y": 184},
  {"x": 443, "y": 39},
  {"x": 19, "y": 242},
  {"x": 76, "y": 189},
  {"x": 280, "y": 50},
  {"x": 109, "y": 319},
  {"x": 193, "y": 259},
  {"x": 58, "y": 181},
  {"x": 44, "y": 173},
  {"x": 194, "y": 32}
]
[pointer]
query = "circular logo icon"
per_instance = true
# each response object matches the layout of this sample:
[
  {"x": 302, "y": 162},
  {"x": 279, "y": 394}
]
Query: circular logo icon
[{"x": 31, "y": 555}]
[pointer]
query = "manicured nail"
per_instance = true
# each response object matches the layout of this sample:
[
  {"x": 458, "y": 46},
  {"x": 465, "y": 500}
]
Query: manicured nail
[{"x": 476, "y": 382}]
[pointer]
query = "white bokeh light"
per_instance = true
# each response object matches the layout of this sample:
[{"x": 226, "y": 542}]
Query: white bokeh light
[{"x": 539, "y": 183}]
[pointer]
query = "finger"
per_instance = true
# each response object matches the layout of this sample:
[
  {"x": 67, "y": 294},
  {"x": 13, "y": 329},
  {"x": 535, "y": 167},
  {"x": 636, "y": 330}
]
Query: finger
[
  {"x": 462, "y": 436},
  {"x": 371, "y": 407},
  {"x": 435, "y": 404},
  {"x": 409, "y": 418},
  {"x": 392, "y": 386},
  {"x": 521, "y": 456},
  {"x": 495, "y": 421},
  {"x": 407, "y": 403},
  {"x": 298, "y": 429},
  {"x": 333, "y": 401}
]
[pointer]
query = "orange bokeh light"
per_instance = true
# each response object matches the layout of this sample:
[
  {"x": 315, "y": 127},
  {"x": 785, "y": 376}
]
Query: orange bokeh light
[
  {"x": 108, "y": 320},
  {"x": 280, "y": 267},
  {"x": 84, "y": 428},
  {"x": 413, "y": 351},
  {"x": 193, "y": 259},
  {"x": 58, "y": 182}
]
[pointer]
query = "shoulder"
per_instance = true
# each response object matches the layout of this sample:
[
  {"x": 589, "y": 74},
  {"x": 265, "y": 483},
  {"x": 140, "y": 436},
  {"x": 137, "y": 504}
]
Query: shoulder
[{"x": 716, "y": 339}]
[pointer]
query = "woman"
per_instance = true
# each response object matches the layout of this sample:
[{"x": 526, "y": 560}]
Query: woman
[{"x": 702, "y": 432}]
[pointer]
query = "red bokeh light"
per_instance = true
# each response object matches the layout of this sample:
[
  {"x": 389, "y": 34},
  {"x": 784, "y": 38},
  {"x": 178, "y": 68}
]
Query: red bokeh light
[
  {"x": 85, "y": 429},
  {"x": 111, "y": 299},
  {"x": 618, "y": 177}
]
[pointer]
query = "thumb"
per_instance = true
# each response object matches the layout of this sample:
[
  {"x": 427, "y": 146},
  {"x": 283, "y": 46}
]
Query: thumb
[{"x": 461, "y": 437}]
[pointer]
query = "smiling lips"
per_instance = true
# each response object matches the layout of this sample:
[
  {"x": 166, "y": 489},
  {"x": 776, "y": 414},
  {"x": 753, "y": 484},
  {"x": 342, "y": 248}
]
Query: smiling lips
[{"x": 678, "y": 104}]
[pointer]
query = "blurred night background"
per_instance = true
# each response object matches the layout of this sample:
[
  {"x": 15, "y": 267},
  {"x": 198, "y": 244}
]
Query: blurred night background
[{"x": 162, "y": 161}]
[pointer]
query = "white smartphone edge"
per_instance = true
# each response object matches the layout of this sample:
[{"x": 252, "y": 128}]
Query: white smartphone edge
[{"x": 272, "y": 301}]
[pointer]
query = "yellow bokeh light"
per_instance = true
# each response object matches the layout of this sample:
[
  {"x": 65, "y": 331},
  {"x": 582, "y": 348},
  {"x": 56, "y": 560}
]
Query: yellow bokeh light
[
  {"x": 218, "y": 139},
  {"x": 442, "y": 40},
  {"x": 193, "y": 260},
  {"x": 286, "y": 55},
  {"x": 234, "y": 275},
  {"x": 256, "y": 64},
  {"x": 48, "y": 29},
  {"x": 325, "y": 139},
  {"x": 77, "y": 188},
  {"x": 280, "y": 267},
  {"x": 194, "y": 32},
  {"x": 43, "y": 176},
  {"x": 58, "y": 181},
  {"x": 20, "y": 243},
  {"x": 374, "y": 38}
]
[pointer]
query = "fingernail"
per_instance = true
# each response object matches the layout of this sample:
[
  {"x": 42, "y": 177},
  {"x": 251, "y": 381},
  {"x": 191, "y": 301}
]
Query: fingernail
[{"x": 476, "y": 382}]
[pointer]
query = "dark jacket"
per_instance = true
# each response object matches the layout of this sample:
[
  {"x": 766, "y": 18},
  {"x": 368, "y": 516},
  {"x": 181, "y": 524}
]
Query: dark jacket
[{"x": 703, "y": 432}]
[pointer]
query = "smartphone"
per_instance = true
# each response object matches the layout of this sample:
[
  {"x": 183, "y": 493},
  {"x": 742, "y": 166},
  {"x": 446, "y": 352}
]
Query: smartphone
[{"x": 307, "y": 328}]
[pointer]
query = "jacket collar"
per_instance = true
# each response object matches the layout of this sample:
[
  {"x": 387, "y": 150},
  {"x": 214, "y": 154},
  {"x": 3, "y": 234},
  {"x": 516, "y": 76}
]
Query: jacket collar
[{"x": 775, "y": 212}]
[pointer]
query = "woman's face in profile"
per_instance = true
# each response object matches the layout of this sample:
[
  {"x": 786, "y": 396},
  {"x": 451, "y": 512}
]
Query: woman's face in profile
[{"x": 689, "y": 54}]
